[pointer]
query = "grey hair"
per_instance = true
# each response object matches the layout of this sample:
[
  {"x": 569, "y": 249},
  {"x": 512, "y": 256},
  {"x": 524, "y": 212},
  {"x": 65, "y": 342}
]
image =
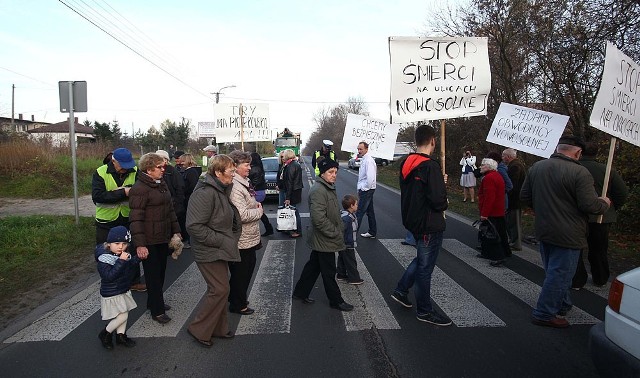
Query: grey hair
[
  {"x": 490, "y": 163},
  {"x": 510, "y": 152}
]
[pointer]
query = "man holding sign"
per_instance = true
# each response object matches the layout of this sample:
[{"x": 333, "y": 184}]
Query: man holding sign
[
  {"x": 366, "y": 187},
  {"x": 561, "y": 193}
]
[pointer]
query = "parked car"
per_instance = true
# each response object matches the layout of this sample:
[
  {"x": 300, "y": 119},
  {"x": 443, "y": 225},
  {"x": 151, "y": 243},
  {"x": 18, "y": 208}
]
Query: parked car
[
  {"x": 382, "y": 162},
  {"x": 615, "y": 344},
  {"x": 354, "y": 162},
  {"x": 271, "y": 165}
]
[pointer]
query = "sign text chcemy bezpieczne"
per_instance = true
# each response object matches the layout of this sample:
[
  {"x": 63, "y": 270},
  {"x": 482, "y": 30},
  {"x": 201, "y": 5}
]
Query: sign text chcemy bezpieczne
[
  {"x": 438, "y": 77},
  {"x": 380, "y": 135}
]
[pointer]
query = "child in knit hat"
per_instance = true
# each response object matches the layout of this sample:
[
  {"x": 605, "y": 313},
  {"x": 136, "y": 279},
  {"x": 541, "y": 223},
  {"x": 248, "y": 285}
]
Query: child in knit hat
[{"x": 117, "y": 268}]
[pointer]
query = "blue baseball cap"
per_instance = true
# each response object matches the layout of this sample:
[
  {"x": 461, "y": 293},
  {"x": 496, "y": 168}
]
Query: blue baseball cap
[{"x": 124, "y": 158}]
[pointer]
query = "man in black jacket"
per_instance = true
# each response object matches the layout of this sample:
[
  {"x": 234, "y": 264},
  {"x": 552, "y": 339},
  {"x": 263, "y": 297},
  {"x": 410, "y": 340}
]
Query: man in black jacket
[{"x": 423, "y": 202}]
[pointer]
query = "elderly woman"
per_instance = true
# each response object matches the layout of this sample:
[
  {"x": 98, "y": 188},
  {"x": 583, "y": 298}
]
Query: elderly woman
[
  {"x": 243, "y": 198},
  {"x": 491, "y": 203},
  {"x": 214, "y": 225},
  {"x": 257, "y": 178},
  {"x": 324, "y": 239},
  {"x": 153, "y": 222}
]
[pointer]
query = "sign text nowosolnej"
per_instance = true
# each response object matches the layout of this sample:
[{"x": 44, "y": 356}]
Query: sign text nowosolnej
[
  {"x": 254, "y": 120},
  {"x": 528, "y": 130},
  {"x": 438, "y": 77},
  {"x": 380, "y": 135},
  {"x": 615, "y": 110}
]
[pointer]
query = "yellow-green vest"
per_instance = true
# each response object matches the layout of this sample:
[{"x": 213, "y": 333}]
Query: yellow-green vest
[
  {"x": 332, "y": 156},
  {"x": 108, "y": 212}
]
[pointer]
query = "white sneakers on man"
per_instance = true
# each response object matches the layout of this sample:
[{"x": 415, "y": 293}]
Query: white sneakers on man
[{"x": 368, "y": 235}]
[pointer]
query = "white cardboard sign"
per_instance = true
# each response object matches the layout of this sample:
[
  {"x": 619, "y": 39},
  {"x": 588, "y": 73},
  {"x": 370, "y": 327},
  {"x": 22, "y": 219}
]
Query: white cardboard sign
[
  {"x": 206, "y": 129},
  {"x": 254, "y": 118},
  {"x": 528, "y": 130},
  {"x": 616, "y": 109},
  {"x": 380, "y": 135},
  {"x": 438, "y": 77}
]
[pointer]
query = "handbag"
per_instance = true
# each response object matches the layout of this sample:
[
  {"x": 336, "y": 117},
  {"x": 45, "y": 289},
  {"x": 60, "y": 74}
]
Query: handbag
[
  {"x": 489, "y": 238},
  {"x": 286, "y": 218}
]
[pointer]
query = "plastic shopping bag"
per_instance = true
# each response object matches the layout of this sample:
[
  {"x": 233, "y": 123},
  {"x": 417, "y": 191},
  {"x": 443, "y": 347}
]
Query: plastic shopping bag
[{"x": 286, "y": 218}]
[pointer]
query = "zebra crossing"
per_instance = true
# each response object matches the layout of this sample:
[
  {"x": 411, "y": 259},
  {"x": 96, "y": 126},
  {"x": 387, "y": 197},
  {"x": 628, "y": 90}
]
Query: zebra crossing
[{"x": 271, "y": 292}]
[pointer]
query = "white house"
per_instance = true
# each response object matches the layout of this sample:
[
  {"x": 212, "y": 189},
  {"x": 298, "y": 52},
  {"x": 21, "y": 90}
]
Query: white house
[{"x": 59, "y": 132}]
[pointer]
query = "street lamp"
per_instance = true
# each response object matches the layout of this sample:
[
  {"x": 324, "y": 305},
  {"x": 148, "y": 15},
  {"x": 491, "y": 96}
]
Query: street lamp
[{"x": 220, "y": 91}]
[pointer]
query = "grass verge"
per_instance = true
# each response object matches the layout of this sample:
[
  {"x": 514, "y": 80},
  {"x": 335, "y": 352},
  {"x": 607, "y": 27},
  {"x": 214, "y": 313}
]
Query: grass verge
[{"x": 34, "y": 250}]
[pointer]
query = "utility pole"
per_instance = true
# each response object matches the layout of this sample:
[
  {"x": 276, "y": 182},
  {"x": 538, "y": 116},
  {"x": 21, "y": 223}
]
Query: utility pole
[{"x": 13, "y": 102}]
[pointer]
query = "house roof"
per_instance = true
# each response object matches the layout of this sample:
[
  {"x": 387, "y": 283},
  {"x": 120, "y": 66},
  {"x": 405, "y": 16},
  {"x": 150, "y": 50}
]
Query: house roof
[{"x": 63, "y": 127}]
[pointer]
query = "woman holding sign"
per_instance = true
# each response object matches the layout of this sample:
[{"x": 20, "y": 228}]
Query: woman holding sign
[{"x": 468, "y": 179}]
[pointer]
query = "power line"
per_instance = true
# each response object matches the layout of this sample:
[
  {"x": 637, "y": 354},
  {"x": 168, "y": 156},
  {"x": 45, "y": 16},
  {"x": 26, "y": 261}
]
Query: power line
[
  {"x": 132, "y": 49},
  {"x": 28, "y": 77}
]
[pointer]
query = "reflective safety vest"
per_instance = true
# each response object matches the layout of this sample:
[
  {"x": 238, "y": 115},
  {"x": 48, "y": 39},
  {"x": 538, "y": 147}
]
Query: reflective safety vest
[
  {"x": 108, "y": 212},
  {"x": 332, "y": 156}
]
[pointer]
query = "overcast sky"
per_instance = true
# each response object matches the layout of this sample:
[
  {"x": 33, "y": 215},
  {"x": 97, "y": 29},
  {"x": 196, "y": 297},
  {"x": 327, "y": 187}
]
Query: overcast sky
[{"x": 298, "y": 56}]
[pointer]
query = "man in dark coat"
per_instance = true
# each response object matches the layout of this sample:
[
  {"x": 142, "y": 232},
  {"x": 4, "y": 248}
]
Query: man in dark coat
[
  {"x": 561, "y": 193},
  {"x": 598, "y": 238},
  {"x": 517, "y": 173}
]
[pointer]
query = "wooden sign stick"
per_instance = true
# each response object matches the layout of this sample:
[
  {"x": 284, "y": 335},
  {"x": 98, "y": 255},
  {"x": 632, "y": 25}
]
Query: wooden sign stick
[{"x": 607, "y": 172}]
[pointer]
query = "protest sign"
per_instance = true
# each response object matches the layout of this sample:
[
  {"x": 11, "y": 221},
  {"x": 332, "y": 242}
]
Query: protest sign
[
  {"x": 615, "y": 110},
  {"x": 438, "y": 77},
  {"x": 206, "y": 129},
  {"x": 242, "y": 122},
  {"x": 527, "y": 130},
  {"x": 380, "y": 135}
]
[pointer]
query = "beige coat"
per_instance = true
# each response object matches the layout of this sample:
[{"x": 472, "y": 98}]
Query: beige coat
[{"x": 250, "y": 213}]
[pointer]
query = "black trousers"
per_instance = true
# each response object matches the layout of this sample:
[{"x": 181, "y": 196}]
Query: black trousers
[
  {"x": 503, "y": 250},
  {"x": 241, "y": 273},
  {"x": 598, "y": 241},
  {"x": 320, "y": 263},
  {"x": 155, "y": 267},
  {"x": 347, "y": 265},
  {"x": 265, "y": 221}
]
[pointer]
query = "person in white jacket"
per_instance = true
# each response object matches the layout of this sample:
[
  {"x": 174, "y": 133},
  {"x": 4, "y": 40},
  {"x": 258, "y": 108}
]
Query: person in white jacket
[{"x": 468, "y": 179}]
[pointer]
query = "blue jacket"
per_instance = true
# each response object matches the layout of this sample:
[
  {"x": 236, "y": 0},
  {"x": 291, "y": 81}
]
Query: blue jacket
[
  {"x": 350, "y": 227},
  {"x": 116, "y": 273}
]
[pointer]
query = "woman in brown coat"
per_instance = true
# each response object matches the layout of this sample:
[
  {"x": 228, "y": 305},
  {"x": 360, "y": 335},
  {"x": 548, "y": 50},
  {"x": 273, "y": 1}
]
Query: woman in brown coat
[{"x": 153, "y": 222}]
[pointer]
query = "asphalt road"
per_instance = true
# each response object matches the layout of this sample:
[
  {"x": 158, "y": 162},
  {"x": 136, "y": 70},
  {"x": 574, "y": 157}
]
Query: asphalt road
[{"x": 491, "y": 337}]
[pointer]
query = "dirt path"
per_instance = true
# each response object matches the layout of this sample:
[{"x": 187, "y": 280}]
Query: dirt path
[{"x": 55, "y": 206}]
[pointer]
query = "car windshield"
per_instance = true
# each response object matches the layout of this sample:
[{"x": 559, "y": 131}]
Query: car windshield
[{"x": 270, "y": 165}]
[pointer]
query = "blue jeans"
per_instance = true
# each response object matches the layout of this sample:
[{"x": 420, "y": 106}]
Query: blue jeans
[
  {"x": 365, "y": 205},
  {"x": 420, "y": 270},
  {"x": 409, "y": 239},
  {"x": 559, "y": 266},
  {"x": 281, "y": 197}
]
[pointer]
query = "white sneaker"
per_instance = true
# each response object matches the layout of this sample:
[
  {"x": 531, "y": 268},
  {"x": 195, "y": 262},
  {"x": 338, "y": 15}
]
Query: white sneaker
[{"x": 368, "y": 235}]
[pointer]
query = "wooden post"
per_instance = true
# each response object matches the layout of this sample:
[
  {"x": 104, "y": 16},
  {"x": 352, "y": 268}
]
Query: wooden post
[
  {"x": 607, "y": 172},
  {"x": 241, "y": 128},
  {"x": 442, "y": 147}
]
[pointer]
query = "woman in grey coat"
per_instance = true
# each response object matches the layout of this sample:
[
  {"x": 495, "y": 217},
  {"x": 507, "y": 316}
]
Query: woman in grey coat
[
  {"x": 214, "y": 225},
  {"x": 324, "y": 239}
]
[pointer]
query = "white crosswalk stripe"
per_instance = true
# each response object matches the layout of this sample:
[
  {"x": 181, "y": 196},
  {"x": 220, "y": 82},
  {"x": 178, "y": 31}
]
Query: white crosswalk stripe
[
  {"x": 59, "y": 322},
  {"x": 514, "y": 283},
  {"x": 370, "y": 309},
  {"x": 271, "y": 291},
  {"x": 183, "y": 296},
  {"x": 459, "y": 305}
]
